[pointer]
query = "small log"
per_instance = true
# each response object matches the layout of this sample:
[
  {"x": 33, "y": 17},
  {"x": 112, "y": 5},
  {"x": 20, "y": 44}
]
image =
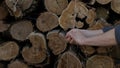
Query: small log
[
  {"x": 87, "y": 50},
  {"x": 8, "y": 51},
  {"x": 98, "y": 61},
  {"x": 38, "y": 52},
  {"x": 47, "y": 21},
  {"x": 115, "y": 6},
  {"x": 68, "y": 17},
  {"x": 69, "y": 60},
  {"x": 25, "y": 4},
  {"x": 99, "y": 24},
  {"x": 13, "y": 8},
  {"x": 104, "y": 50},
  {"x": 56, "y": 6},
  {"x": 91, "y": 16},
  {"x": 17, "y": 64},
  {"x": 3, "y": 26},
  {"x": 79, "y": 24},
  {"x": 102, "y": 13},
  {"x": 21, "y": 29},
  {"x": 57, "y": 42},
  {"x": 103, "y": 1},
  {"x": 3, "y": 13}
]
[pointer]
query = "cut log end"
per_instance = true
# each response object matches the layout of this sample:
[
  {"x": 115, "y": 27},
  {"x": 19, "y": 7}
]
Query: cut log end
[
  {"x": 37, "y": 53},
  {"x": 47, "y": 21},
  {"x": 87, "y": 50},
  {"x": 3, "y": 27},
  {"x": 21, "y": 30},
  {"x": 3, "y": 13},
  {"x": 56, "y": 6},
  {"x": 103, "y": 1},
  {"x": 17, "y": 64},
  {"x": 98, "y": 61},
  {"x": 115, "y": 6},
  {"x": 69, "y": 60},
  {"x": 8, "y": 50},
  {"x": 57, "y": 42}
]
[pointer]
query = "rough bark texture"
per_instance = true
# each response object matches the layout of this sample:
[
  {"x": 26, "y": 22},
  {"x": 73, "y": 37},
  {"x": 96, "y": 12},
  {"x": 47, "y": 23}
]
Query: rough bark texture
[
  {"x": 56, "y": 42},
  {"x": 8, "y": 51},
  {"x": 47, "y": 21},
  {"x": 21, "y": 29},
  {"x": 38, "y": 52},
  {"x": 69, "y": 60}
]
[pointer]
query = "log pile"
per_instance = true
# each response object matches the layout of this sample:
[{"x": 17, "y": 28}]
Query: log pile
[{"x": 32, "y": 33}]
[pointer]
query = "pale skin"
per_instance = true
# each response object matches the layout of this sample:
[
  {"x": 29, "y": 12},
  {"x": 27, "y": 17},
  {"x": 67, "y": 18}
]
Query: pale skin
[{"x": 91, "y": 37}]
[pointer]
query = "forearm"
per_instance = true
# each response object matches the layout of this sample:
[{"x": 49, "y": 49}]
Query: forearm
[
  {"x": 90, "y": 33},
  {"x": 106, "y": 39}
]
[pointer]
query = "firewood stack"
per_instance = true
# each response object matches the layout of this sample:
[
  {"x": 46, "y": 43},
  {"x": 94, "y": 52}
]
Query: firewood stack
[{"x": 32, "y": 33}]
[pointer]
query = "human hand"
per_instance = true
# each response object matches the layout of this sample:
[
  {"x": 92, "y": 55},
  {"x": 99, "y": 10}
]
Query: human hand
[{"x": 75, "y": 36}]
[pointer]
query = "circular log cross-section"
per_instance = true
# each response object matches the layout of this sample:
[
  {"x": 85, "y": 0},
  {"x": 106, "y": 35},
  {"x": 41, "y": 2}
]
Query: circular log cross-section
[
  {"x": 25, "y": 4},
  {"x": 21, "y": 29},
  {"x": 103, "y": 1},
  {"x": 115, "y": 6},
  {"x": 47, "y": 21},
  {"x": 3, "y": 26},
  {"x": 56, "y": 6},
  {"x": 56, "y": 42},
  {"x": 87, "y": 50},
  {"x": 38, "y": 52},
  {"x": 69, "y": 60},
  {"x": 98, "y": 61},
  {"x": 8, "y": 51},
  {"x": 17, "y": 64},
  {"x": 3, "y": 13}
]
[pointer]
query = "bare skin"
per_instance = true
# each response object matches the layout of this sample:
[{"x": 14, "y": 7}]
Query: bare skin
[{"x": 91, "y": 37}]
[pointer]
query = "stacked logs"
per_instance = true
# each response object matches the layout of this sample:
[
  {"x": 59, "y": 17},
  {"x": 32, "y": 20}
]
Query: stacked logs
[{"x": 32, "y": 33}]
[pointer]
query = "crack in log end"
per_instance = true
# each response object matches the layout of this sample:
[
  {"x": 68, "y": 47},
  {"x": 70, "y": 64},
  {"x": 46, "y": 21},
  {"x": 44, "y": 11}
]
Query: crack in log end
[{"x": 38, "y": 52}]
